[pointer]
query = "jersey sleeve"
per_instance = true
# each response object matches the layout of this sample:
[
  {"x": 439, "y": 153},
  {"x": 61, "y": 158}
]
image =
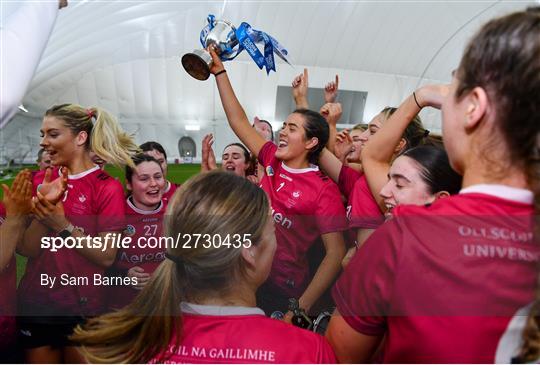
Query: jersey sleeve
[
  {"x": 111, "y": 207},
  {"x": 267, "y": 153},
  {"x": 326, "y": 354},
  {"x": 365, "y": 212},
  {"x": 347, "y": 179},
  {"x": 363, "y": 292},
  {"x": 330, "y": 213}
]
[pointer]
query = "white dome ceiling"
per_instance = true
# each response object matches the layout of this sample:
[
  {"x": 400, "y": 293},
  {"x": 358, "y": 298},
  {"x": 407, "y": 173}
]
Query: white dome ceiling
[{"x": 124, "y": 56}]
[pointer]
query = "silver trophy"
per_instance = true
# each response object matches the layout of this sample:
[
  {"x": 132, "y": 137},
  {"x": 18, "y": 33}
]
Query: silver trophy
[{"x": 221, "y": 36}]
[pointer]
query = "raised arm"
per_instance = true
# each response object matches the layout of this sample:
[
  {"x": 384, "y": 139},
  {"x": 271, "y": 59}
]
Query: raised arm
[
  {"x": 331, "y": 91},
  {"x": 332, "y": 113},
  {"x": 235, "y": 113},
  {"x": 300, "y": 90},
  {"x": 208, "y": 162},
  {"x": 377, "y": 153},
  {"x": 328, "y": 162}
]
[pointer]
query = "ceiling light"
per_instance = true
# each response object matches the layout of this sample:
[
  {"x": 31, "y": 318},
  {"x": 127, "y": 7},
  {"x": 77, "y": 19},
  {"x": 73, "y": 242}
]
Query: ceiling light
[
  {"x": 21, "y": 107},
  {"x": 193, "y": 127}
]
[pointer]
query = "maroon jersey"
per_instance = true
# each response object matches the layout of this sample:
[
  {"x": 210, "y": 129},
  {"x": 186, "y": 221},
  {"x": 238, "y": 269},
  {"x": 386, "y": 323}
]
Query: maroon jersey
[
  {"x": 94, "y": 201},
  {"x": 169, "y": 191},
  {"x": 362, "y": 208},
  {"x": 305, "y": 205},
  {"x": 140, "y": 225},
  {"x": 442, "y": 282},
  {"x": 239, "y": 335},
  {"x": 8, "y": 303}
]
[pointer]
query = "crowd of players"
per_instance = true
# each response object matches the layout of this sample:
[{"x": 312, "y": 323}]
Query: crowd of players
[{"x": 424, "y": 252}]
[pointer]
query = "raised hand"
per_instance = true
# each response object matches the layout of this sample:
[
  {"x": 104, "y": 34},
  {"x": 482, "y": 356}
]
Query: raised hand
[
  {"x": 432, "y": 95},
  {"x": 18, "y": 199},
  {"x": 208, "y": 158},
  {"x": 54, "y": 190},
  {"x": 217, "y": 64},
  {"x": 331, "y": 112},
  {"x": 300, "y": 89},
  {"x": 344, "y": 145},
  {"x": 331, "y": 91}
]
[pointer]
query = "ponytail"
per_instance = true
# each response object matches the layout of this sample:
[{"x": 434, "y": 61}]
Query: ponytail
[
  {"x": 218, "y": 203},
  {"x": 109, "y": 141},
  {"x": 105, "y": 136},
  {"x": 143, "y": 329}
]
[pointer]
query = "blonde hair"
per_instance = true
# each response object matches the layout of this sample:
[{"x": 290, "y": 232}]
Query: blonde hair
[
  {"x": 217, "y": 203},
  {"x": 359, "y": 127},
  {"x": 105, "y": 136}
]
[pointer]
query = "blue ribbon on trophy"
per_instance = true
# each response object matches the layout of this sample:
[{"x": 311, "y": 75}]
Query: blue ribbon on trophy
[{"x": 229, "y": 42}]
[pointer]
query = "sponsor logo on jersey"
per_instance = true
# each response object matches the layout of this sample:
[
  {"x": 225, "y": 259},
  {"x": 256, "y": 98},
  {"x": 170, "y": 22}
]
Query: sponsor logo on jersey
[
  {"x": 152, "y": 219},
  {"x": 142, "y": 257},
  {"x": 285, "y": 177},
  {"x": 82, "y": 198},
  {"x": 130, "y": 230},
  {"x": 281, "y": 219},
  {"x": 296, "y": 194},
  {"x": 269, "y": 171}
]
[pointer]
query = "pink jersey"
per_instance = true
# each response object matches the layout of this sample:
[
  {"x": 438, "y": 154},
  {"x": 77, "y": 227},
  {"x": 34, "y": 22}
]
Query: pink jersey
[
  {"x": 242, "y": 335},
  {"x": 8, "y": 302},
  {"x": 305, "y": 205},
  {"x": 169, "y": 191},
  {"x": 140, "y": 225},
  {"x": 442, "y": 282},
  {"x": 94, "y": 201},
  {"x": 362, "y": 208}
]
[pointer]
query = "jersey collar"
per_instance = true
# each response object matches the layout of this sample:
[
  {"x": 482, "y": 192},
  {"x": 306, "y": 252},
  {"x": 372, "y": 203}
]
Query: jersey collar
[
  {"x": 216, "y": 310},
  {"x": 140, "y": 211},
  {"x": 83, "y": 174},
  {"x": 501, "y": 191},
  {"x": 313, "y": 168}
]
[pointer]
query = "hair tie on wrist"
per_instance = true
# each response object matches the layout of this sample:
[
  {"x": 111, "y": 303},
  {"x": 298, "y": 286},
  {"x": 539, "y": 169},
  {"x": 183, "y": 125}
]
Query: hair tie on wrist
[
  {"x": 220, "y": 72},
  {"x": 416, "y": 101}
]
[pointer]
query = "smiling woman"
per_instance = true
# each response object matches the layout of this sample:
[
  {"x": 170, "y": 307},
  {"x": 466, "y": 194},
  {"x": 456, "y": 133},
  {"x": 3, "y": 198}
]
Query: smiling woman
[
  {"x": 145, "y": 209},
  {"x": 92, "y": 205},
  {"x": 300, "y": 194}
]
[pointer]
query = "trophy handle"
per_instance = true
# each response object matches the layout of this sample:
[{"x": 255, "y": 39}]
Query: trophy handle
[{"x": 197, "y": 64}]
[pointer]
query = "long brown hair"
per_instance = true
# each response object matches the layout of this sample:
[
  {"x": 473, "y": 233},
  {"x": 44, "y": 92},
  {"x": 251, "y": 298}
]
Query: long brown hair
[
  {"x": 105, "y": 136},
  {"x": 216, "y": 203},
  {"x": 504, "y": 59}
]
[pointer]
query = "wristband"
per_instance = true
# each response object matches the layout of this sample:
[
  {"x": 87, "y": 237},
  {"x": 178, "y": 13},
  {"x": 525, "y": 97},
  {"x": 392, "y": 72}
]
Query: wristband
[{"x": 220, "y": 72}]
